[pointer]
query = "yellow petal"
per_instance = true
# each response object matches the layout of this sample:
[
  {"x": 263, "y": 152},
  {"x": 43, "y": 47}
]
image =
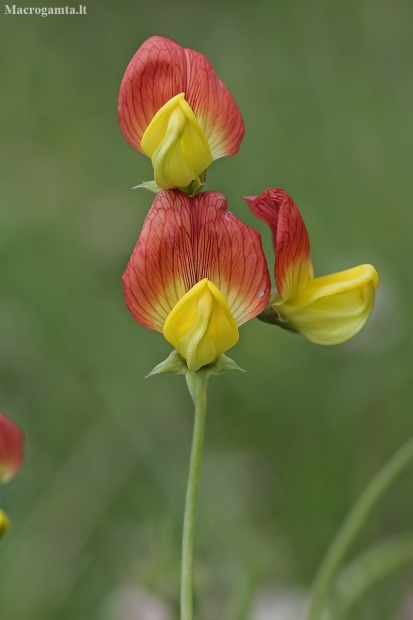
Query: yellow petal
[
  {"x": 332, "y": 309},
  {"x": 201, "y": 326},
  {"x": 4, "y": 523},
  {"x": 176, "y": 144}
]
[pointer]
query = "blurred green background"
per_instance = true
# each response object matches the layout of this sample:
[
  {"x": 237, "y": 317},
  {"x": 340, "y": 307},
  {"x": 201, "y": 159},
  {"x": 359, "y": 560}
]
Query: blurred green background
[{"x": 326, "y": 92}]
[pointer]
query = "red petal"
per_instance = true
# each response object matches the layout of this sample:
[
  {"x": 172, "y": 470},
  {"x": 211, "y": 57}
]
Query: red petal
[
  {"x": 290, "y": 239},
  {"x": 162, "y": 69},
  {"x": 156, "y": 73},
  {"x": 213, "y": 106},
  {"x": 11, "y": 448},
  {"x": 184, "y": 240}
]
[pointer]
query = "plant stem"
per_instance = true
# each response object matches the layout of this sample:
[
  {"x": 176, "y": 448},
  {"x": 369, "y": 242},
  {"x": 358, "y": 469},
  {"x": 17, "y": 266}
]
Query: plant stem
[
  {"x": 351, "y": 527},
  {"x": 190, "y": 507},
  {"x": 374, "y": 565}
]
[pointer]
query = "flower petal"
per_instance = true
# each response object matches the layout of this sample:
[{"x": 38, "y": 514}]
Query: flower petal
[
  {"x": 4, "y": 523},
  {"x": 160, "y": 70},
  {"x": 332, "y": 309},
  {"x": 185, "y": 240},
  {"x": 156, "y": 73},
  {"x": 11, "y": 448},
  {"x": 175, "y": 142},
  {"x": 230, "y": 255},
  {"x": 201, "y": 326},
  {"x": 161, "y": 269},
  {"x": 293, "y": 267},
  {"x": 213, "y": 106}
]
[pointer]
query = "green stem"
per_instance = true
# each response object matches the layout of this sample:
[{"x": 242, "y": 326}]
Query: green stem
[
  {"x": 351, "y": 527},
  {"x": 373, "y": 566},
  {"x": 190, "y": 507}
]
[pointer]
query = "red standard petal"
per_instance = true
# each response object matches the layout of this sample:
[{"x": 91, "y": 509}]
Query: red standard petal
[
  {"x": 290, "y": 239},
  {"x": 184, "y": 240},
  {"x": 230, "y": 255},
  {"x": 213, "y": 106},
  {"x": 162, "y": 69},
  {"x": 156, "y": 73},
  {"x": 11, "y": 448}
]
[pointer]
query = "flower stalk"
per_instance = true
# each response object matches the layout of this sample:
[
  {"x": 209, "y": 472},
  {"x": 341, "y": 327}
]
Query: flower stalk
[
  {"x": 191, "y": 504},
  {"x": 370, "y": 568},
  {"x": 352, "y": 526}
]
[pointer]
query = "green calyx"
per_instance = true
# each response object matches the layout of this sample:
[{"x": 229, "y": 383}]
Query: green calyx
[
  {"x": 272, "y": 316},
  {"x": 176, "y": 365},
  {"x": 192, "y": 189}
]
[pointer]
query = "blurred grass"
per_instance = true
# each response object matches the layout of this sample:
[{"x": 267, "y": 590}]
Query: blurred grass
[{"x": 326, "y": 92}]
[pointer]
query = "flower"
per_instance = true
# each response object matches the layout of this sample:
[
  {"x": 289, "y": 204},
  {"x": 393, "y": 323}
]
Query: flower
[
  {"x": 196, "y": 274},
  {"x": 4, "y": 523},
  {"x": 11, "y": 448},
  {"x": 326, "y": 310},
  {"x": 173, "y": 108}
]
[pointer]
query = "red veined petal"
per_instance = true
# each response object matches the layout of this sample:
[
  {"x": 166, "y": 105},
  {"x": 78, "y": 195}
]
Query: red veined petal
[
  {"x": 162, "y": 69},
  {"x": 293, "y": 266},
  {"x": 230, "y": 255},
  {"x": 213, "y": 106},
  {"x": 185, "y": 240},
  {"x": 11, "y": 448},
  {"x": 161, "y": 268},
  {"x": 156, "y": 73}
]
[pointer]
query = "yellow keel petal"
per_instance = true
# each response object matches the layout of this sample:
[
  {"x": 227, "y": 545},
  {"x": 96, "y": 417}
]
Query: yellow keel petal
[
  {"x": 201, "y": 326},
  {"x": 332, "y": 309},
  {"x": 176, "y": 144},
  {"x": 4, "y": 523}
]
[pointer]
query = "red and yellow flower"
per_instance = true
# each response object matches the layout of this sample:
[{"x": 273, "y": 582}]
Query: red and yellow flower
[
  {"x": 327, "y": 310},
  {"x": 11, "y": 457},
  {"x": 11, "y": 448},
  {"x": 196, "y": 274},
  {"x": 173, "y": 108}
]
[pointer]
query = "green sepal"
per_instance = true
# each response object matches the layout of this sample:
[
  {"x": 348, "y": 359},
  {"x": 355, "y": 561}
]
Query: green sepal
[
  {"x": 270, "y": 315},
  {"x": 223, "y": 364},
  {"x": 196, "y": 380},
  {"x": 151, "y": 186},
  {"x": 196, "y": 186},
  {"x": 193, "y": 188},
  {"x": 173, "y": 365},
  {"x": 176, "y": 365}
]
